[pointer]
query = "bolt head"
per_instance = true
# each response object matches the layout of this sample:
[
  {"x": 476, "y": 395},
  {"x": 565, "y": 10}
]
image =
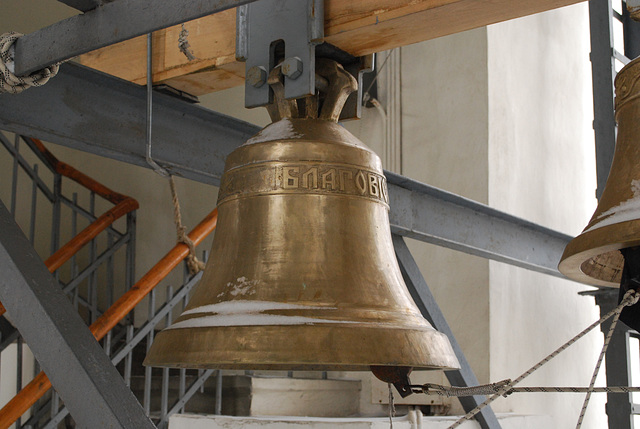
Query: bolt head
[
  {"x": 256, "y": 76},
  {"x": 292, "y": 67}
]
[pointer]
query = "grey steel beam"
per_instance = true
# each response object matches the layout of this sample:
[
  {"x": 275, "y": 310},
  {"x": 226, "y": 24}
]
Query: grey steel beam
[
  {"x": 111, "y": 23},
  {"x": 631, "y": 32},
  {"x": 78, "y": 368},
  {"x": 82, "y": 5},
  {"x": 100, "y": 114},
  {"x": 602, "y": 70},
  {"x": 97, "y": 113},
  {"x": 619, "y": 405},
  {"x": 435, "y": 216},
  {"x": 419, "y": 290}
]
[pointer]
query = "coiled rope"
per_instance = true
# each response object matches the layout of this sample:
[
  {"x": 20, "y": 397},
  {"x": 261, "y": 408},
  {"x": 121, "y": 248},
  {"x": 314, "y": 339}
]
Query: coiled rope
[
  {"x": 9, "y": 82},
  {"x": 505, "y": 387}
]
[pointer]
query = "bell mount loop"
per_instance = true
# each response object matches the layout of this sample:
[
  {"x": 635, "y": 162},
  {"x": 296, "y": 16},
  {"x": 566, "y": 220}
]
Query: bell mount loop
[
  {"x": 396, "y": 375},
  {"x": 333, "y": 86}
]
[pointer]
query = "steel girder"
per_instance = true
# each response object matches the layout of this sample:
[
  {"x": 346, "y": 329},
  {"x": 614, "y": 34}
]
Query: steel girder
[
  {"x": 110, "y": 23},
  {"x": 97, "y": 113},
  {"x": 429, "y": 308}
]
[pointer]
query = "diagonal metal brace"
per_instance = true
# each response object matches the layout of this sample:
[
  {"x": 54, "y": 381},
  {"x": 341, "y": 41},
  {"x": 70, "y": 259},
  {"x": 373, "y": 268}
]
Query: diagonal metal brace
[
  {"x": 81, "y": 372},
  {"x": 419, "y": 290}
]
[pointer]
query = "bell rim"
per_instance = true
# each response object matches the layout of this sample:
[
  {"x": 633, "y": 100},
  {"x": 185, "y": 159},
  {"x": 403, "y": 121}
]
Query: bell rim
[
  {"x": 610, "y": 238},
  {"x": 164, "y": 353}
]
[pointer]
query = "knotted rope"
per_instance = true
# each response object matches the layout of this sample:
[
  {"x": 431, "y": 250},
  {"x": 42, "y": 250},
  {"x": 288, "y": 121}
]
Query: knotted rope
[
  {"x": 506, "y": 387},
  {"x": 9, "y": 82},
  {"x": 193, "y": 263}
]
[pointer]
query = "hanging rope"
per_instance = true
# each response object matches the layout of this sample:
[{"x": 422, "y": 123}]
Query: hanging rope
[
  {"x": 9, "y": 82},
  {"x": 193, "y": 263},
  {"x": 506, "y": 387}
]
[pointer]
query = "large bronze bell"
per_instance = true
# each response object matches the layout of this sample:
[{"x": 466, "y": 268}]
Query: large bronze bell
[
  {"x": 302, "y": 273},
  {"x": 594, "y": 256}
]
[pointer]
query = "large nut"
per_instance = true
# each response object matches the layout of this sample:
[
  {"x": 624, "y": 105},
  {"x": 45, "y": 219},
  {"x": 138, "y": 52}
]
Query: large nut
[
  {"x": 256, "y": 76},
  {"x": 292, "y": 67}
]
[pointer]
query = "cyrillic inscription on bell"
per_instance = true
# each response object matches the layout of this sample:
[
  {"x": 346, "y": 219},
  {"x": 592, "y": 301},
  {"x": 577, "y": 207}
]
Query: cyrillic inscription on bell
[
  {"x": 302, "y": 273},
  {"x": 275, "y": 177}
]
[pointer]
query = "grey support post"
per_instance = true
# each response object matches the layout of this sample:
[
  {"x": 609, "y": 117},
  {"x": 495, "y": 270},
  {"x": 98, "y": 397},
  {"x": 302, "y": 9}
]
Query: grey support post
[
  {"x": 603, "y": 71},
  {"x": 423, "y": 298},
  {"x": 619, "y": 407},
  {"x": 78, "y": 368}
]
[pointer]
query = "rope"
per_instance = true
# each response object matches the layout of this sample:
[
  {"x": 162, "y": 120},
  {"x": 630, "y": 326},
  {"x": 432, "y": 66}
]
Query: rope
[
  {"x": 488, "y": 389},
  {"x": 629, "y": 299},
  {"x": 483, "y": 389},
  {"x": 193, "y": 263},
  {"x": 183, "y": 44},
  {"x": 9, "y": 82}
]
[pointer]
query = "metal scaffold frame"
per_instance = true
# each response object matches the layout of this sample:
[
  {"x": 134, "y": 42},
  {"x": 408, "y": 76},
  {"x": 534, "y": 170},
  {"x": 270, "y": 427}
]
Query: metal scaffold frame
[
  {"x": 604, "y": 55},
  {"x": 193, "y": 142}
]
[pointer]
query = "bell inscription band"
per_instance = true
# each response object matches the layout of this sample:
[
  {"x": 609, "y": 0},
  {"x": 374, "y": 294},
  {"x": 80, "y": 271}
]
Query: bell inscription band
[
  {"x": 302, "y": 273},
  {"x": 594, "y": 256}
]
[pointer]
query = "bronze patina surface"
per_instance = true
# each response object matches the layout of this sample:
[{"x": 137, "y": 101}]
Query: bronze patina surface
[
  {"x": 302, "y": 274},
  {"x": 594, "y": 256}
]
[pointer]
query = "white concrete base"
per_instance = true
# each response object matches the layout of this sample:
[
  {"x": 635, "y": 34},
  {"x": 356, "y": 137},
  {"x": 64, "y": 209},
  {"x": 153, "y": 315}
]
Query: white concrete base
[
  {"x": 411, "y": 421},
  {"x": 304, "y": 397}
]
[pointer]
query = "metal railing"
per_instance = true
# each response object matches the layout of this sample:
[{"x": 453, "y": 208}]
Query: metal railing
[
  {"x": 89, "y": 271},
  {"x": 136, "y": 338},
  {"x": 37, "y": 388},
  {"x": 96, "y": 225}
]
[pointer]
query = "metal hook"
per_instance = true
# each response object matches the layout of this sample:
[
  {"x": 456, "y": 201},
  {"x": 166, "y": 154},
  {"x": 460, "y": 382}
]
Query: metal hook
[{"x": 156, "y": 167}]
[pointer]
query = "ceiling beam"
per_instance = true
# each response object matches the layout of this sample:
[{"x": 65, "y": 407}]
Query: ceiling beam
[
  {"x": 112, "y": 23},
  {"x": 359, "y": 27},
  {"x": 100, "y": 114}
]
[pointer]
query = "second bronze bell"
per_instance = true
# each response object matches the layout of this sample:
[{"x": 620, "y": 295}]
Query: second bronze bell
[{"x": 594, "y": 256}]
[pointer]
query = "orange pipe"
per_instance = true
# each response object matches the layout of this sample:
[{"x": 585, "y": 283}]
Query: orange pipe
[
  {"x": 33, "y": 391},
  {"x": 66, "y": 170}
]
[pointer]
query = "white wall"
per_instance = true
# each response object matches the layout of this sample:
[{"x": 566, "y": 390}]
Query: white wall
[
  {"x": 541, "y": 168},
  {"x": 444, "y": 144}
]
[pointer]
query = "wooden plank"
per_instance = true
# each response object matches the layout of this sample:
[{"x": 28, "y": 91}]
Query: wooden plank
[{"x": 359, "y": 27}]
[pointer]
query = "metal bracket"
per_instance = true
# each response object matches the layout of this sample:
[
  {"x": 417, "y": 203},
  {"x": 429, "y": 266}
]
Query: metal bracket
[
  {"x": 262, "y": 28},
  {"x": 353, "y": 106}
]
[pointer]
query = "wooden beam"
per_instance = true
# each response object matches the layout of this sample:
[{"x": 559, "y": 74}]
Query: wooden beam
[{"x": 359, "y": 27}]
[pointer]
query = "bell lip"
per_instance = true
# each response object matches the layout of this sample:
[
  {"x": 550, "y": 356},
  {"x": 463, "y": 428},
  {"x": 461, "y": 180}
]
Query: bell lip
[
  {"x": 612, "y": 237},
  {"x": 164, "y": 354}
]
